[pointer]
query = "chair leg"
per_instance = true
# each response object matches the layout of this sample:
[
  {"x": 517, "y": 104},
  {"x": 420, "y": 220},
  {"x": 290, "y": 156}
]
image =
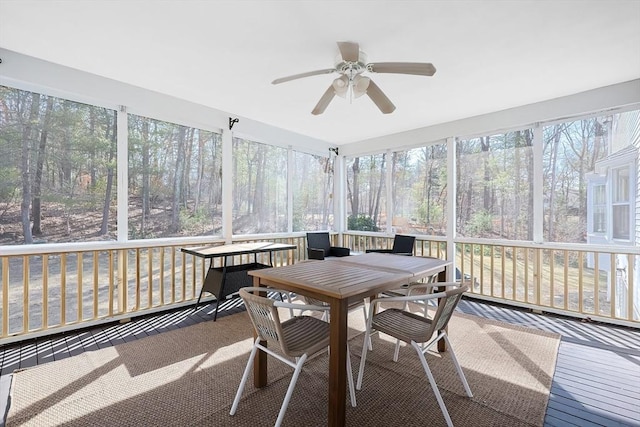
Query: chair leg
[
  {"x": 352, "y": 391},
  {"x": 396, "y": 351},
  {"x": 458, "y": 367},
  {"x": 292, "y": 385},
  {"x": 243, "y": 381},
  {"x": 363, "y": 358},
  {"x": 433, "y": 384},
  {"x": 364, "y": 309}
]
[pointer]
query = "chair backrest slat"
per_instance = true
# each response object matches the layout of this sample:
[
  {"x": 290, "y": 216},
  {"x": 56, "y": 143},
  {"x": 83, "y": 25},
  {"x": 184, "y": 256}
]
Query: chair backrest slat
[
  {"x": 264, "y": 316},
  {"x": 445, "y": 310}
]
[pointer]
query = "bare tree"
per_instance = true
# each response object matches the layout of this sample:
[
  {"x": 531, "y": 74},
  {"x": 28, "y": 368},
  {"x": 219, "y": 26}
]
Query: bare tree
[
  {"x": 178, "y": 185},
  {"x": 37, "y": 183},
  {"x": 110, "y": 135}
]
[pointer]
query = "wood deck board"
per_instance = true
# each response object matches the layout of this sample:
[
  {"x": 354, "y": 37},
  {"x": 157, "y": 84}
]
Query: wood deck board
[
  {"x": 595, "y": 403},
  {"x": 602, "y": 416},
  {"x": 594, "y": 383}
]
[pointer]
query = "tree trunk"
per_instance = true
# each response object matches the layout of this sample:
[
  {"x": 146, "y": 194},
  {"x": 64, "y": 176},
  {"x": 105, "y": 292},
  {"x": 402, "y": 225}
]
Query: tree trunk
[
  {"x": 555, "y": 142},
  {"x": 355, "y": 191},
  {"x": 174, "y": 227},
  {"x": 486, "y": 199},
  {"x": 37, "y": 184},
  {"x": 376, "y": 205},
  {"x": 200, "y": 175},
  {"x": 25, "y": 165},
  {"x": 146, "y": 177},
  {"x": 110, "y": 136}
]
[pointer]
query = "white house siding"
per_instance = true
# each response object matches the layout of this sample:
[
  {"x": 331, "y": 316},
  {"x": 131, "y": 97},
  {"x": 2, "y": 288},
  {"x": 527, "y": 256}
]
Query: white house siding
[
  {"x": 624, "y": 146},
  {"x": 626, "y": 132}
]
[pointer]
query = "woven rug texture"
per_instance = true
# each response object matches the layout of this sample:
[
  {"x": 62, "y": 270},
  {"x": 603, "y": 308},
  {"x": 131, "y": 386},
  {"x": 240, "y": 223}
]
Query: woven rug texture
[{"x": 189, "y": 376}]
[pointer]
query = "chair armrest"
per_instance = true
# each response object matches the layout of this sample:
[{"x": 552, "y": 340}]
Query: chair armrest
[
  {"x": 313, "y": 253},
  {"x": 301, "y": 307},
  {"x": 339, "y": 251},
  {"x": 421, "y": 297},
  {"x": 382, "y": 251}
]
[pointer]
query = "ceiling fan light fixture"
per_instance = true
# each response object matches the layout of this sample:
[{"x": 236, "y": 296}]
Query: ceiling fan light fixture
[
  {"x": 341, "y": 86},
  {"x": 360, "y": 85}
]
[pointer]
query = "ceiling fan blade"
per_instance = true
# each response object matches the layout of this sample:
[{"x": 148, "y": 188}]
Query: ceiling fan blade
[
  {"x": 301, "y": 75},
  {"x": 417, "y": 68},
  {"x": 350, "y": 51},
  {"x": 324, "y": 101},
  {"x": 379, "y": 98}
]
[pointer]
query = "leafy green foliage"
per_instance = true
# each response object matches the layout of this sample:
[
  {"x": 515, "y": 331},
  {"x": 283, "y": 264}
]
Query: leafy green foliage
[{"x": 362, "y": 223}]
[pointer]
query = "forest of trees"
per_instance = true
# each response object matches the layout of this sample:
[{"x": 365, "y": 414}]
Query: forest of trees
[
  {"x": 57, "y": 167},
  {"x": 59, "y": 179},
  {"x": 494, "y": 184}
]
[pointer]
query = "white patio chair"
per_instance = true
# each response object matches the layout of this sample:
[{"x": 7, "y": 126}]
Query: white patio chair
[
  {"x": 416, "y": 330},
  {"x": 298, "y": 338}
]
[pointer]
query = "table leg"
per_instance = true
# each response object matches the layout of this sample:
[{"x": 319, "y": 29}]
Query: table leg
[
  {"x": 260, "y": 361},
  {"x": 338, "y": 363}
]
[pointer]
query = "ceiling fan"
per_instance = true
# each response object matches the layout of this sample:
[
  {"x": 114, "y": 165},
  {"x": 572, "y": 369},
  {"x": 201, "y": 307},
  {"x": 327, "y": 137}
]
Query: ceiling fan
[{"x": 350, "y": 65}]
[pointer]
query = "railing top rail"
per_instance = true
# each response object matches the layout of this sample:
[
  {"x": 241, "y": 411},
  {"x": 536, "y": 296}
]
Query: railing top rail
[
  {"x": 54, "y": 248},
  {"x": 586, "y": 247}
]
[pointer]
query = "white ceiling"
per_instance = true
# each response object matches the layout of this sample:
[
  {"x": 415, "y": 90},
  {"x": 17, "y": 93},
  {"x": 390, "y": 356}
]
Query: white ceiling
[{"x": 489, "y": 55}]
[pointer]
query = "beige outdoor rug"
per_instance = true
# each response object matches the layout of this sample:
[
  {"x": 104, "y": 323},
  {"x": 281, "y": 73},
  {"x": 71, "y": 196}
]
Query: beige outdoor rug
[{"x": 188, "y": 377}]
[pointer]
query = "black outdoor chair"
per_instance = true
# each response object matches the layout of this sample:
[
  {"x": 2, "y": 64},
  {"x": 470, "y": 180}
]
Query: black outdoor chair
[
  {"x": 402, "y": 245},
  {"x": 319, "y": 247}
]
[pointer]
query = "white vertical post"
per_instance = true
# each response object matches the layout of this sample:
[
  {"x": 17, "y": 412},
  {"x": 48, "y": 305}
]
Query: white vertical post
[
  {"x": 339, "y": 196},
  {"x": 451, "y": 205},
  {"x": 122, "y": 195},
  {"x": 290, "y": 189},
  {"x": 389, "y": 192},
  {"x": 227, "y": 187},
  {"x": 538, "y": 185},
  {"x": 122, "y": 160}
]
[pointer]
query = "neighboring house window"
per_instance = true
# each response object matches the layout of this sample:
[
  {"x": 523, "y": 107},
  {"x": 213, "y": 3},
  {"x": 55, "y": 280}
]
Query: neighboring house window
[
  {"x": 600, "y": 208},
  {"x": 621, "y": 204}
]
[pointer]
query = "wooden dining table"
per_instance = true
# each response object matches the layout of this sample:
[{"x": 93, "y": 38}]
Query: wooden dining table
[{"x": 341, "y": 282}]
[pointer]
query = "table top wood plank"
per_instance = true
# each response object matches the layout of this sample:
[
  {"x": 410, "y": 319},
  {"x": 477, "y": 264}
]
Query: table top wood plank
[
  {"x": 417, "y": 266},
  {"x": 237, "y": 249},
  {"x": 333, "y": 280}
]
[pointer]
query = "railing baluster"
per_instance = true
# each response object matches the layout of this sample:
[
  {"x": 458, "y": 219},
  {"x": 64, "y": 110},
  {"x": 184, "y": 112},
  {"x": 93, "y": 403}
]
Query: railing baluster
[
  {"x": 566, "y": 280},
  {"x": 173, "y": 275},
  {"x": 596, "y": 280},
  {"x": 96, "y": 264},
  {"x": 580, "y": 282},
  {"x": 79, "y": 269},
  {"x": 111, "y": 283},
  {"x": 150, "y": 252},
  {"x": 630, "y": 287},
  {"x": 161, "y": 272},
  {"x": 25, "y": 294},
  {"x": 613, "y": 276},
  {"x": 514, "y": 277},
  {"x": 137, "y": 284},
  {"x": 5, "y": 296},
  {"x": 63, "y": 289},
  {"x": 45, "y": 291}
]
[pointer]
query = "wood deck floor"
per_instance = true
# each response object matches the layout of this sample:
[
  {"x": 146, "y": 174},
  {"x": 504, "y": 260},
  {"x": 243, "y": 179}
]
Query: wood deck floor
[{"x": 596, "y": 382}]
